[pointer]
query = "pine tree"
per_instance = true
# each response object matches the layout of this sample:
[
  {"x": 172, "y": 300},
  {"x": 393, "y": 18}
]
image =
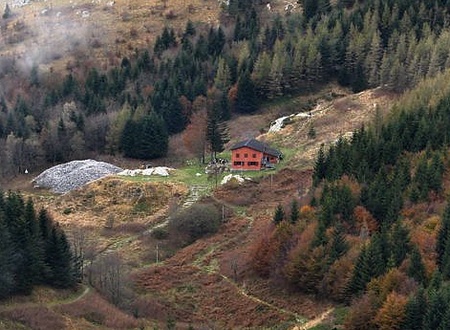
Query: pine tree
[
  {"x": 436, "y": 310},
  {"x": 223, "y": 79},
  {"x": 59, "y": 258},
  {"x": 320, "y": 168},
  {"x": 338, "y": 244},
  {"x": 415, "y": 311},
  {"x": 399, "y": 242},
  {"x": 442, "y": 237},
  {"x": 360, "y": 276},
  {"x": 154, "y": 139},
  {"x": 320, "y": 235},
  {"x": 7, "y": 13},
  {"x": 129, "y": 138},
  {"x": 7, "y": 261},
  {"x": 295, "y": 214},
  {"x": 279, "y": 214},
  {"x": 246, "y": 101},
  {"x": 435, "y": 173},
  {"x": 445, "y": 264},
  {"x": 416, "y": 269}
]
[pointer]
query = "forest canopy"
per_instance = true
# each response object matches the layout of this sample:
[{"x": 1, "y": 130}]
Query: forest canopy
[{"x": 237, "y": 65}]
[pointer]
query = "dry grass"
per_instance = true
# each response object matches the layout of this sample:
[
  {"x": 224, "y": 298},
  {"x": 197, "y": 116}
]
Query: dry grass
[
  {"x": 96, "y": 310},
  {"x": 39, "y": 318},
  {"x": 61, "y": 34}
]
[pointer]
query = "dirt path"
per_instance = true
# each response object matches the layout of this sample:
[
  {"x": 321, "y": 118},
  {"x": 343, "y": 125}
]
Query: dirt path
[
  {"x": 316, "y": 321},
  {"x": 200, "y": 263}
]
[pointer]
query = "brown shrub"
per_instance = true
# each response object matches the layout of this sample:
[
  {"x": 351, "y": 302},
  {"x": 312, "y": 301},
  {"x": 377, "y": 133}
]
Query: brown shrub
[
  {"x": 150, "y": 307},
  {"x": 105, "y": 313},
  {"x": 36, "y": 318}
]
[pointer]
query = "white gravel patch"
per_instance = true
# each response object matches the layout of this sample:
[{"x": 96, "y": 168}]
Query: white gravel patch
[
  {"x": 159, "y": 170},
  {"x": 230, "y": 177},
  {"x": 68, "y": 176}
]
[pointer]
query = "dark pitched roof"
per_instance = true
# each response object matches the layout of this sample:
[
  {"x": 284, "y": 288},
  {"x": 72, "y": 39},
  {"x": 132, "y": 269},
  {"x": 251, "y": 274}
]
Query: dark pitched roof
[{"x": 258, "y": 146}]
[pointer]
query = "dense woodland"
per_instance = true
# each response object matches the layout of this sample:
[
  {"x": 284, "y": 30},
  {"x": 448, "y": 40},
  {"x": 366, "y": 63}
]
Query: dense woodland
[
  {"x": 203, "y": 75},
  {"x": 375, "y": 235},
  {"x": 34, "y": 250}
]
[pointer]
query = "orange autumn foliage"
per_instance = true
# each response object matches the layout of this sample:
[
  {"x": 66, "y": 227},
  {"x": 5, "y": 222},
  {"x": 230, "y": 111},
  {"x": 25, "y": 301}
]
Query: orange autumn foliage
[
  {"x": 361, "y": 314},
  {"x": 393, "y": 281},
  {"x": 337, "y": 278},
  {"x": 392, "y": 313},
  {"x": 307, "y": 212},
  {"x": 272, "y": 248},
  {"x": 364, "y": 220},
  {"x": 195, "y": 133}
]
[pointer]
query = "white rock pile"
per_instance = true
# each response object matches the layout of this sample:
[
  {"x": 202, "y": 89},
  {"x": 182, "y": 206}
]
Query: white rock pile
[
  {"x": 230, "y": 177},
  {"x": 158, "y": 170},
  {"x": 68, "y": 176}
]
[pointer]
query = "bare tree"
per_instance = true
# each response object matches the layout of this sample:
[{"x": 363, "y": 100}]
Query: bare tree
[
  {"x": 108, "y": 275},
  {"x": 79, "y": 242}
]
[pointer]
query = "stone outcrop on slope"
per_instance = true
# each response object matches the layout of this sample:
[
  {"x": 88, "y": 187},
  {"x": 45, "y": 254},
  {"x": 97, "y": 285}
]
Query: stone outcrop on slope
[{"x": 68, "y": 176}]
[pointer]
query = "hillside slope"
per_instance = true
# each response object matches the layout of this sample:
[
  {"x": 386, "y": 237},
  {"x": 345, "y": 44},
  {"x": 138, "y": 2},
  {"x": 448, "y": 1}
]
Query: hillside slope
[{"x": 211, "y": 279}]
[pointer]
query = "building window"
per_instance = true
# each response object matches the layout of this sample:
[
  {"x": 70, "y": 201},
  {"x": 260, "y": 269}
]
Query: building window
[
  {"x": 252, "y": 163},
  {"x": 238, "y": 163},
  {"x": 254, "y": 155},
  {"x": 237, "y": 155},
  {"x": 245, "y": 155}
]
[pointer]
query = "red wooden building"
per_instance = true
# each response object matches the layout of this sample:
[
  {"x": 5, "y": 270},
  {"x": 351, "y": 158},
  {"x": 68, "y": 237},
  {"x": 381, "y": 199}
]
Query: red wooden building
[{"x": 253, "y": 155}]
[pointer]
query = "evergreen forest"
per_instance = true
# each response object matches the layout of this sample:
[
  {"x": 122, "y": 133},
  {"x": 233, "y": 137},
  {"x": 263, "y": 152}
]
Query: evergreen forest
[
  {"x": 375, "y": 233},
  {"x": 34, "y": 249},
  {"x": 131, "y": 107}
]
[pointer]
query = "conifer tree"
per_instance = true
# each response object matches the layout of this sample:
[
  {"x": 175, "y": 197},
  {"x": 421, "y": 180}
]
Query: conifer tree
[
  {"x": 415, "y": 311},
  {"x": 216, "y": 131},
  {"x": 320, "y": 235},
  {"x": 223, "y": 79},
  {"x": 399, "y": 242},
  {"x": 360, "y": 276},
  {"x": 279, "y": 214},
  {"x": 295, "y": 214},
  {"x": 437, "y": 306},
  {"x": 338, "y": 244},
  {"x": 246, "y": 101},
  {"x": 59, "y": 259},
  {"x": 443, "y": 237},
  {"x": 416, "y": 269},
  {"x": 320, "y": 167},
  {"x": 7, "y": 13},
  {"x": 7, "y": 260}
]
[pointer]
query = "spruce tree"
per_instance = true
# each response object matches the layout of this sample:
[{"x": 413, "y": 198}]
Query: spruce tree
[
  {"x": 7, "y": 13},
  {"x": 437, "y": 306},
  {"x": 415, "y": 311},
  {"x": 360, "y": 276},
  {"x": 154, "y": 139},
  {"x": 7, "y": 261},
  {"x": 279, "y": 214},
  {"x": 295, "y": 214},
  {"x": 320, "y": 168},
  {"x": 442, "y": 237},
  {"x": 246, "y": 101},
  {"x": 59, "y": 258},
  {"x": 216, "y": 131},
  {"x": 416, "y": 269},
  {"x": 338, "y": 244},
  {"x": 320, "y": 235},
  {"x": 399, "y": 243}
]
